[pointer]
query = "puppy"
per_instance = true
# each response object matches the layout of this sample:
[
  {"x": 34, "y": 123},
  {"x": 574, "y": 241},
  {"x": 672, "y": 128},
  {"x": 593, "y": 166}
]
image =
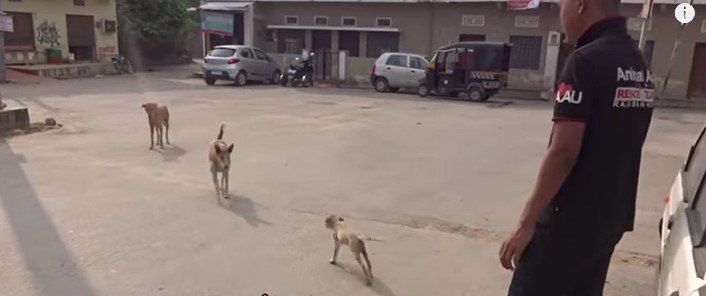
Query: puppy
[
  {"x": 157, "y": 116},
  {"x": 343, "y": 235},
  {"x": 219, "y": 156}
]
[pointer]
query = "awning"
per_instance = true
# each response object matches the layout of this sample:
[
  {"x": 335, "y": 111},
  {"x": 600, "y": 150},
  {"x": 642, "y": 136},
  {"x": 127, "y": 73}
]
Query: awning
[
  {"x": 334, "y": 28},
  {"x": 229, "y": 6}
]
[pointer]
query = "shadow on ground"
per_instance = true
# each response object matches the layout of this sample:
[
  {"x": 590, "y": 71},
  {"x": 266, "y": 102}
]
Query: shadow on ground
[
  {"x": 53, "y": 268},
  {"x": 170, "y": 153},
  {"x": 245, "y": 208},
  {"x": 378, "y": 286}
]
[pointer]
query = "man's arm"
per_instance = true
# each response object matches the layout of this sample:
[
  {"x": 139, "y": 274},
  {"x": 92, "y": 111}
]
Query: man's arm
[
  {"x": 561, "y": 156},
  {"x": 567, "y": 137}
]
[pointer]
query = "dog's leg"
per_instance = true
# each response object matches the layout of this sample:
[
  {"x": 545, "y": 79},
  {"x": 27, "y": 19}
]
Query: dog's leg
[
  {"x": 367, "y": 262},
  {"x": 166, "y": 133},
  {"x": 226, "y": 180},
  {"x": 336, "y": 246},
  {"x": 368, "y": 279},
  {"x": 151, "y": 136},
  {"x": 214, "y": 174},
  {"x": 160, "y": 133}
]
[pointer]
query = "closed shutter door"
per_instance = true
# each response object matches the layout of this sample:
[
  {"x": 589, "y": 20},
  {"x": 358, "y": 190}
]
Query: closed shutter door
[
  {"x": 23, "y": 37},
  {"x": 81, "y": 30}
]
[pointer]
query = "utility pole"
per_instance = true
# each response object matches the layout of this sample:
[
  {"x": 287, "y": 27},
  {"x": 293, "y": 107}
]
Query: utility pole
[{"x": 2, "y": 51}]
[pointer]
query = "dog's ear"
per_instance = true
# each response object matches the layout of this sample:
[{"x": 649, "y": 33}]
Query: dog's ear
[
  {"x": 230, "y": 148},
  {"x": 340, "y": 219},
  {"x": 218, "y": 148}
]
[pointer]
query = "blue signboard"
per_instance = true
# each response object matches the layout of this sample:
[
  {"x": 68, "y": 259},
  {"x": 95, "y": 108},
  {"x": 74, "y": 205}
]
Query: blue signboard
[{"x": 217, "y": 22}]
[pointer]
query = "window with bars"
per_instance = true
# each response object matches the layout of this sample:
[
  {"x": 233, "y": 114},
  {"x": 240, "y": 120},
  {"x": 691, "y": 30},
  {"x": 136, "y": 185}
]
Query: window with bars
[
  {"x": 383, "y": 22},
  {"x": 348, "y": 21},
  {"x": 80, "y": 2},
  {"x": 526, "y": 52},
  {"x": 321, "y": 20},
  {"x": 291, "y": 20}
]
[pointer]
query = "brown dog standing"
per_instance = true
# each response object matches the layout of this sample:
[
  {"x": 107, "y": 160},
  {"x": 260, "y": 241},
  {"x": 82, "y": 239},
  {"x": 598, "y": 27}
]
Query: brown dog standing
[{"x": 157, "y": 117}]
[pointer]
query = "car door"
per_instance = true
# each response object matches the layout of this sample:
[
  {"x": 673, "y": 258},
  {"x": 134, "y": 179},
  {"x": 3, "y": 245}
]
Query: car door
[
  {"x": 416, "y": 71},
  {"x": 263, "y": 64},
  {"x": 395, "y": 70},
  {"x": 249, "y": 63}
]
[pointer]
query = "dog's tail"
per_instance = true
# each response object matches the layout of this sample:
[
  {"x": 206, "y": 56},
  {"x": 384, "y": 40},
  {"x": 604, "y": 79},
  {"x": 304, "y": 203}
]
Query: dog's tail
[{"x": 220, "y": 134}]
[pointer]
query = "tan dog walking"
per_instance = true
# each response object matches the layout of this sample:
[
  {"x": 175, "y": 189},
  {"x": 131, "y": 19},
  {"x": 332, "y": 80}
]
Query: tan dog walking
[
  {"x": 219, "y": 157},
  {"x": 157, "y": 117}
]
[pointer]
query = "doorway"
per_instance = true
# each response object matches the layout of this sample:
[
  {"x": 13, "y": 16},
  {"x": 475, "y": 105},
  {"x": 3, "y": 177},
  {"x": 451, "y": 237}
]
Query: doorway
[
  {"x": 82, "y": 37},
  {"x": 697, "y": 87},
  {"x": 321, "y": 40}
]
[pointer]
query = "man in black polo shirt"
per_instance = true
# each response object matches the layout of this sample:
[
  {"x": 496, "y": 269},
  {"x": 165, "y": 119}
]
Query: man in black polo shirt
[{"x": 584, "y": 198}]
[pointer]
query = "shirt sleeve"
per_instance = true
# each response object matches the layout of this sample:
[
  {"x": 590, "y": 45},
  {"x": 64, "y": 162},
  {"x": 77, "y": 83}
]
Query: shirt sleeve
[{"x": 572, "y": 102}]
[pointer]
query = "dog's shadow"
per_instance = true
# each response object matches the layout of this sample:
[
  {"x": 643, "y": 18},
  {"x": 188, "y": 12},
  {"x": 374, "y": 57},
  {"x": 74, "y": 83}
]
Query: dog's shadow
[
  {"x": 378, "y": 286},
  {"x": 245, "y": 208},
  {"x": 170, "y": 152}
]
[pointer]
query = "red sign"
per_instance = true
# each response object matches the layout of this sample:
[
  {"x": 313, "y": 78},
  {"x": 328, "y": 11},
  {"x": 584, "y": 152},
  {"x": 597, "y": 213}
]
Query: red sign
[{"x": 522, "y": 4}]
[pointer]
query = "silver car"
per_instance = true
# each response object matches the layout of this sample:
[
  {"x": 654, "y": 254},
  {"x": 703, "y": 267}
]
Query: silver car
[
  {"x": 395, "y": 70},
  {"x": 240, "y": 64}
]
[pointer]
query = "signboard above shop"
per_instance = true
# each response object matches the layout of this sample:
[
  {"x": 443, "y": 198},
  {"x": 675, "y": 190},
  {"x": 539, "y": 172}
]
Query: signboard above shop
[
  {"x": 217, "y": 22},
  {"x": 6, "y": 24}
]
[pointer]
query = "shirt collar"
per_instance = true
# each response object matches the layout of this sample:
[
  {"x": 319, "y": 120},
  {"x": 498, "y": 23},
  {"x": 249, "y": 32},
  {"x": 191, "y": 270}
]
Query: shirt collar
[{"x": 601, "y": 27}]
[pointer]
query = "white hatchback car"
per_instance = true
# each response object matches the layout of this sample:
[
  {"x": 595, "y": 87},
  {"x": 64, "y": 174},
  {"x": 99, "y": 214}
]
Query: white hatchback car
[
  {"x": 683, "y": 229},
  {"x": 395, "y": 70}
]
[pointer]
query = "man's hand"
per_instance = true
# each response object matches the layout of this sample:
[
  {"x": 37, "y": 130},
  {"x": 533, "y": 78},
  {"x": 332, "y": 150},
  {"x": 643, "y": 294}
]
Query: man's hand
[{"x": 515, "y": 245}]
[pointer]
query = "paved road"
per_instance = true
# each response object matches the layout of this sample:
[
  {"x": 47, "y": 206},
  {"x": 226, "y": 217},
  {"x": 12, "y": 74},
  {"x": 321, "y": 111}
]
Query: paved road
[{"x": 89, "y": 210}]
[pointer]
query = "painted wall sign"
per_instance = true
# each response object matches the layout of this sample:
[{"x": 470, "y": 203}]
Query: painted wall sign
[
  {"x": 217, "y": 22},
  {"x": 48, "y": 34}
]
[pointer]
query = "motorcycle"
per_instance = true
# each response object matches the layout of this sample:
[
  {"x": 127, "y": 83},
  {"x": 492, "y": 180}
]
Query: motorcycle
[
  {"x": 301, "y": 72},
  {"x": 121, "y": 64}
]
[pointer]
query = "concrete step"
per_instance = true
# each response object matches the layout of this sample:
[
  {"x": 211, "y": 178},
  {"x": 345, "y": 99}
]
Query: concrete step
[{"x": 66, "y": 71}]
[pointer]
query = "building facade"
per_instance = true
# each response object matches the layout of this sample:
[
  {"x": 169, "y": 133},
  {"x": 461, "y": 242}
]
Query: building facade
[{"x": 85, "y": 30}]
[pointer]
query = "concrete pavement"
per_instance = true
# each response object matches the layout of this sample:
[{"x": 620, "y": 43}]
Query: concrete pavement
[{"x": 89, "y": 210}]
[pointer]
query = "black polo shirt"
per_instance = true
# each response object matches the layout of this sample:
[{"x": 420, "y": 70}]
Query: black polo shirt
[{"x": 607, "y": 85}]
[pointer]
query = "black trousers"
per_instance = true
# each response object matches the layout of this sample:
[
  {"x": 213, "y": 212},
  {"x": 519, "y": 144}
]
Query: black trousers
[{"x": 556, "y": 263}]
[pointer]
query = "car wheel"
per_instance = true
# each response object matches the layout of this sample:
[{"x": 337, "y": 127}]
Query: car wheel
[
  {"x": 210, "y": 80},
  {"x": 475, "y": 94},
  {"x": 394, "y": 89},
  {"x": 381, "y": 85},
  {"x": 276, "y": 77},
  {"x": 241, "y": 79},
  {"x": 423, "y": 90}
]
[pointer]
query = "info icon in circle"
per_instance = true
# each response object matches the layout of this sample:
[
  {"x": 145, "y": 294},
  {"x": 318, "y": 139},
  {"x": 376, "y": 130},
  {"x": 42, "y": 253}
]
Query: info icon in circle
[{"x": 684, "y": 13}]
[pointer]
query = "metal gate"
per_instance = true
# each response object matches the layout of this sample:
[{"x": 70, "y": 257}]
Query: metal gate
[{"x": 325, "y": 64}]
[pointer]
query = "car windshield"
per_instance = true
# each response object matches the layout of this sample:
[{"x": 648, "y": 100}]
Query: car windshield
[{"x": 222, "y": 52}]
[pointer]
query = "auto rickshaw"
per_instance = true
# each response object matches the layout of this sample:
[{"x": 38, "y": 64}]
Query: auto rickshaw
[{"x": 477, "y": 68}]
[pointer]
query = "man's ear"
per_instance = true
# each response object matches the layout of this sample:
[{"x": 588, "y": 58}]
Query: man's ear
[
  {"x": 581, "y": 5},
  {"x": 143, "y": 106},
  {"x": 230, "y": 148}
]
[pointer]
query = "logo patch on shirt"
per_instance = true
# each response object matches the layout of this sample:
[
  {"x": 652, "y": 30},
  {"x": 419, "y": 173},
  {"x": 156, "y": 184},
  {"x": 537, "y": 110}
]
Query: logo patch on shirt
[
  {"x": 566, "y": 93},
  {"x": 633, "y": 97}
]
